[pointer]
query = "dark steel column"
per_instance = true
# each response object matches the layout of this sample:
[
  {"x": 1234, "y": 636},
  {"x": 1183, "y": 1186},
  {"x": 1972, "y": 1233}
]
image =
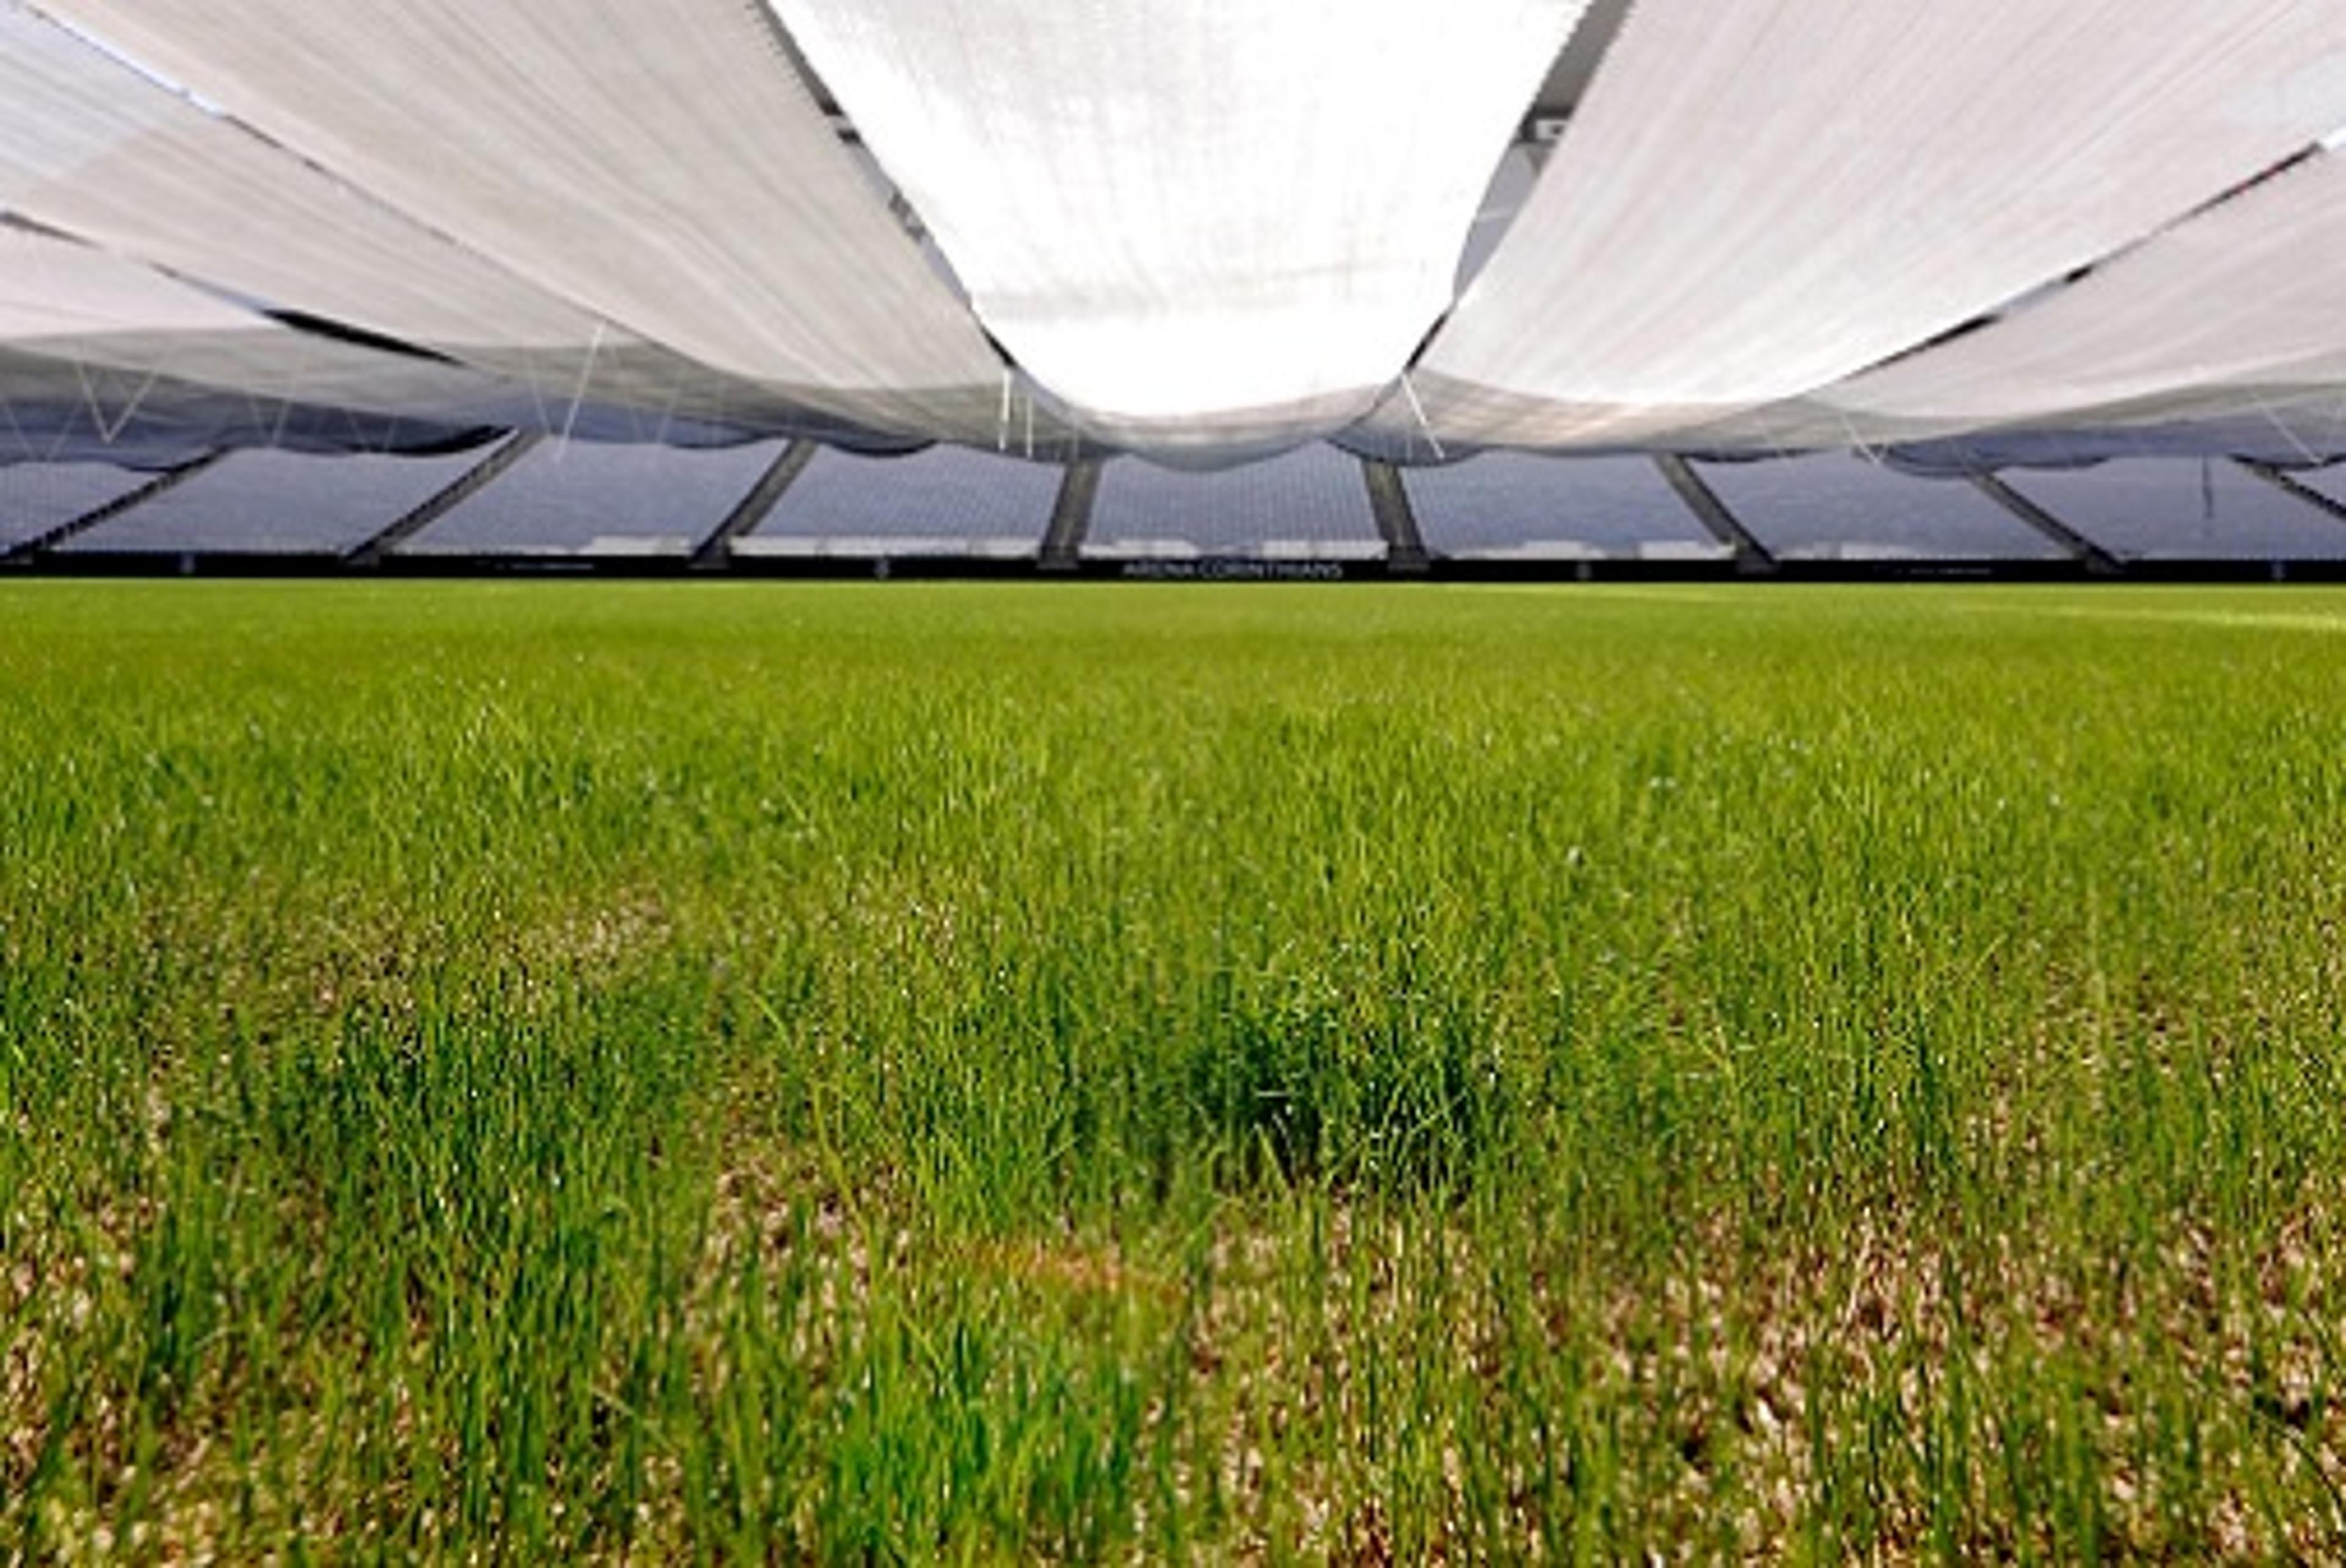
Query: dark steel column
[
  {"x": 1406, "y": 551},
  {"x": 2280, "y": 479},
  {"x": 472, "y": 482},
  {"x": 2080, "y": 549},
  {"x": 1071, "y": 516},
  {"x": 171, "y": 479},
  {"x": 1750, "y": 556},
  {"x": 715, "y": 553}
]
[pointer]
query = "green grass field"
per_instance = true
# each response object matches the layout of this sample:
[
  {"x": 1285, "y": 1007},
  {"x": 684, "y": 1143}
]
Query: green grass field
[{"x": 977, "y": 1071}]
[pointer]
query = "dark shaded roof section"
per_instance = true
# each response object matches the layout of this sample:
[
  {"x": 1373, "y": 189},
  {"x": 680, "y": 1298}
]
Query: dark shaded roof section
[{"x": 1567, "y": 82}]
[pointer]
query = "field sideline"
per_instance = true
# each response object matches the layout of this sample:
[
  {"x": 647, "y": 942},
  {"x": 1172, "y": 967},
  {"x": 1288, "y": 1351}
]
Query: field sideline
[{"x": 1007, "y": 1072}]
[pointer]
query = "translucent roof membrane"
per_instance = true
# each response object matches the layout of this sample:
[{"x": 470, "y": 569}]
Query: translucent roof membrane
[
  {"x": 1202, "y": 229},
  {"x": 277, "y": 502},
  {"x": 1832, "y": 507},
  {"x": 2182, "y": 508},
  {"x": 656, "y": 163},
  {"x": 944, "y": 501},
  {"x": 91, "y": 147},
  {"x": 35, "y": 497},
  {"x": 580, "y": 497},
  {"x": 2138, "y": 338},
  {"x": 55, "y": 290},
  {"x": 1311, "y": 503},
  {"x": 1195, "y": 222},
  {"x": 1756, "y": 200},
  {"x": 71, "y": 408},
  {"x": 109, "y": 332},
  {"x": 1504, "y": 506}
]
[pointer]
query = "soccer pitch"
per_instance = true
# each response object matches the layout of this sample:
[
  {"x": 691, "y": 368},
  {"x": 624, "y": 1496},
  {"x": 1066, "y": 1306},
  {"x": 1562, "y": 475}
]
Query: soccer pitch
[{"x": 999, "y": 1071}]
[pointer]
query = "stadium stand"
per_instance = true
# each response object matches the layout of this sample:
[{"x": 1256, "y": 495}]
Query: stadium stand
[
  {"x": 2150, "y": 508},
  {"x": 1832, "y": 506},
  {"x": 588, "y": 499},
  {"x": 943, "y": 501},
  {"x": 2330, "y": 483},
  {"x": 37, "y": 497},
  {"x": 1308, "y": 505},
  {"x": 266, "y": 503},
  {"x": 1505, "y": 505}
]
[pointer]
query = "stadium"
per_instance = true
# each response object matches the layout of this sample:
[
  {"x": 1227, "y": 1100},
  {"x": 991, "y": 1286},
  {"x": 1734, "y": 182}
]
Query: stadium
[
  {"x": 758, "y": 297},
  {"x": 1727, "y": 946}
]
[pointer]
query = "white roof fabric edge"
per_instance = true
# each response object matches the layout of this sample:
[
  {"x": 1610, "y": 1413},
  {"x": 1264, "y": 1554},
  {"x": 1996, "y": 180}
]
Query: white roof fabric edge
[
  {"x": 1760, "y": 200},
  {"x": 1205, "y": 229},
  {"x": 656, "y": 162},
  {"x": 83, "y": 311},
  {"x": 1180, "y": 238},
  {"x": 2137, "y": 340}
]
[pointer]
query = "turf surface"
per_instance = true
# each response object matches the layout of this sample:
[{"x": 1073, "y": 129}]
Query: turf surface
[{"x": 980, "y": 1072}]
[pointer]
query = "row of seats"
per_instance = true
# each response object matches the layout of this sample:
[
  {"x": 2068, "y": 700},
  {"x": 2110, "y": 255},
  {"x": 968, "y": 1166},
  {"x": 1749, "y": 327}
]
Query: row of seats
[{"x": 586, "y": 499}]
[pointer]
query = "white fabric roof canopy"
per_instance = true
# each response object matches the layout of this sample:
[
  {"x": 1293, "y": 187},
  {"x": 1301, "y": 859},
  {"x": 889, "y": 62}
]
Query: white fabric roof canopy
[
  {"x": 1199, "y": 229},
  {"x": 89, "y": 146},
  {"x": 1756, "y": 200},
  {"x": 1195, "y": 221},
  {"x": 85, "y": 309},
  {"x": 2243, "y": 306},
  {"x": 657, "y": 163},
  {"x": 54, "y": 288}
]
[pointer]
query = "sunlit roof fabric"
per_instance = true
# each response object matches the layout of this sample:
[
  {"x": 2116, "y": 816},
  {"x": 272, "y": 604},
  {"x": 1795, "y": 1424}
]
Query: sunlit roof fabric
[
  {"x": 657, "y": 163},
  {"x": 1508, "y": 505},
  {"x": 1195, "y": 222},
  {"x": 1202, "y": 231},
  {"x": 54, "y": 289},
  {"x": 2241, "y": 309},
  {"x": 91, "y": 337},
  {"x": 1756, "y": 199},
  {"x": 90, "y": 148}
]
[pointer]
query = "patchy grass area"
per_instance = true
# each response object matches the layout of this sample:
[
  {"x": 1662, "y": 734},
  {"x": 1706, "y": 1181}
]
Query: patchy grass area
[{"x": 897, "y": 1071}]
